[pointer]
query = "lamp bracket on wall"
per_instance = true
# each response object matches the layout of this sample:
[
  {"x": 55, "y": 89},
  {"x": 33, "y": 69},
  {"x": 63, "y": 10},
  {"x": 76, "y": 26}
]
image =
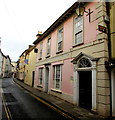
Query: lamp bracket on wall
[{"x": 89, "y": 12}]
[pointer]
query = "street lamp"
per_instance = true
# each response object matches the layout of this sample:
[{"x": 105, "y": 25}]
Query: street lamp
[{"x": 80, "y": 11}]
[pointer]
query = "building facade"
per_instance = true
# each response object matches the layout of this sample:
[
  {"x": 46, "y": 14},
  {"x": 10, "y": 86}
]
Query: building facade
[
  {"x": 30, "y": 61},
  {"x": 71, "y": 58},
  {"x": 21, "y": 67},
  {"x": 8, "y": 67}
]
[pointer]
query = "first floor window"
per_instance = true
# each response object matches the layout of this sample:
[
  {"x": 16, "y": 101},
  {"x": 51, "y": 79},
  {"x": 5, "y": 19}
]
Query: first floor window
[
  {"x": 60, "y": 39},
  {"x": 78, "y": 30},
  {"x": 48, "y": 46},
  {"x": 57, "y": 77},
  {"x": 40, "y": 54},
  {"x": 40, "y": 75}
]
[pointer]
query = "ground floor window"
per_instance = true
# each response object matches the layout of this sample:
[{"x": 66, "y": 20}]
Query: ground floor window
[
  {"x": 57, "y": 77},
  {"x": 40, "y": 76}
]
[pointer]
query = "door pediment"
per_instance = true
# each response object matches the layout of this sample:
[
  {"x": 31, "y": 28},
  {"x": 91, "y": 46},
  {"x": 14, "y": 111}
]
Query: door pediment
[{"x": 80, "y": 55}]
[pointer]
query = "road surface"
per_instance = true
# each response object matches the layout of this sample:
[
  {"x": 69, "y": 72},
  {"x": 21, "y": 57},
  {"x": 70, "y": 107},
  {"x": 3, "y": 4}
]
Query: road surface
[{"x": 18, "y": 104}]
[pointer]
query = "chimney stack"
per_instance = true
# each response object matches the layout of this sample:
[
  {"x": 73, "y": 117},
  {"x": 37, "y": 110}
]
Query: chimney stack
[{"x": 39, "y": 34}]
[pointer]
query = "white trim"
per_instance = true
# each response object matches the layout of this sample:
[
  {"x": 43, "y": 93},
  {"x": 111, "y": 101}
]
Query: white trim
[
  {"x": 76, "y": 17},
  {"x": 76, "y": 83},
  {"x": 54, "y": 79},
  {"x": 46, "y": 80}
]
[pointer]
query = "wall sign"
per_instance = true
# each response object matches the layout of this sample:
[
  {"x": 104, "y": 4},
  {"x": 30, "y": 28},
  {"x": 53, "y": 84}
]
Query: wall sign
[{"x": 102, "y": 29}]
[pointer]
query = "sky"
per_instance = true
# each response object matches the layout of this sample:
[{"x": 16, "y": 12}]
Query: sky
[{"x": 20, "y": 21}]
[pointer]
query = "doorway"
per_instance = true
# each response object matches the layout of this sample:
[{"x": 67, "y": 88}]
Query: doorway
[
  {"x": 85, "y": 89},
  {"x": 33, "y": 75},
  {"x": 46, "y": 79}
]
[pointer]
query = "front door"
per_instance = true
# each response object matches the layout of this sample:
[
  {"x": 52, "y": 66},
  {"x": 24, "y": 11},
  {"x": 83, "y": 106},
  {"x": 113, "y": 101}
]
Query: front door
[{"x": 85, "y": 89}]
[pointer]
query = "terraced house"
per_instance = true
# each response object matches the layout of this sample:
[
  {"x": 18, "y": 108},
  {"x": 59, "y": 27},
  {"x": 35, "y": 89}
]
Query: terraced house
[
  {"x": 71, "y": 57},
  {"x": 26, "y": 66},
  {"x": 30, "y": 61}
]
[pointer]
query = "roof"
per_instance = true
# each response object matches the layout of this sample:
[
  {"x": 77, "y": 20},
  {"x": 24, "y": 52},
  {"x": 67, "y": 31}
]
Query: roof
[{"x": 61, "y": 19}]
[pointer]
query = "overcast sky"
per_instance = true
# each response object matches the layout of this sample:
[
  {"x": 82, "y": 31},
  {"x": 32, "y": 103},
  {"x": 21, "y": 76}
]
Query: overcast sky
[{"x": 20, "y": 21}]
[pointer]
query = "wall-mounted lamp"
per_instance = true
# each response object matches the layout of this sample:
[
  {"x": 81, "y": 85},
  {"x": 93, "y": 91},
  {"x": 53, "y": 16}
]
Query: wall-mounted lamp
[{"x": 80, "y": 11}]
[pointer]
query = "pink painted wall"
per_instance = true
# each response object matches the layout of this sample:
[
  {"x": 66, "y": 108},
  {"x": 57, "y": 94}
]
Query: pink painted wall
[
  {"x": 53, "y": 42},
  {"x": 68, "y": 35},
  {"x": 67, "y": 77},
  {"x": 67, "y": 74},
  {"x": 90, "y": 33},
  {"x": 36, "y": 82}
]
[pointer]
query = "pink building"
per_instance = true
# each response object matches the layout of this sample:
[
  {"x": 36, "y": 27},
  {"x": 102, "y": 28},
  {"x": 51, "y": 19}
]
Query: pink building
[{"x": 71, "y": 58}]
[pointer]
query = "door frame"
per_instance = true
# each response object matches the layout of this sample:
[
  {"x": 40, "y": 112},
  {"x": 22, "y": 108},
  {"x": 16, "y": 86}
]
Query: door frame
[
  {"x": 80, "y": 81},
  {"x": 47, "y": 79},
  {"x": 76, "y": 82}
]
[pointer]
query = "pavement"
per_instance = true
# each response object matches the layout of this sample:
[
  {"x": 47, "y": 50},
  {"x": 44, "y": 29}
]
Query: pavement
[{"x": 77, "y": 113}]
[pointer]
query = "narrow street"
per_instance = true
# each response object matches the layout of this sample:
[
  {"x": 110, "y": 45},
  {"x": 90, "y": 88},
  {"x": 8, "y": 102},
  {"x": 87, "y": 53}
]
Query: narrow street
[{"x": 18, "y": 103}]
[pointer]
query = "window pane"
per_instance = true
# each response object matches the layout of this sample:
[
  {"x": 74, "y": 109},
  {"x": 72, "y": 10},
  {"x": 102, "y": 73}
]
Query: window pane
[
  {"x": 41, "y": 50},
  {"x": 60, "y": 35},
  {"x": 57, "y": 77},
  {"x": 40, "y": 75},
  {"x": 78, "y": 38},
  {"x": 57, "y": 83},
  {"x": 78, "y": 30},
  {"x": 60, "y": 46},
  {"x": 48, "y": 46},
  {"x": 60, "y": 39}
]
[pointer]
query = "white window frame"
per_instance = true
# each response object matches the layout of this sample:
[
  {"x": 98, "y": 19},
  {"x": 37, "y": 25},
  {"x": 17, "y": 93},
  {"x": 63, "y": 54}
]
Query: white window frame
[
  {"x": 40, "y": 53},
  {"x": 54, "y": 77},
  {"x": 60, "y": 39},
  {"x": 48, "y": 46},
  {"x": 77, "y": 30},
  {"x": 40, "y": 76}
]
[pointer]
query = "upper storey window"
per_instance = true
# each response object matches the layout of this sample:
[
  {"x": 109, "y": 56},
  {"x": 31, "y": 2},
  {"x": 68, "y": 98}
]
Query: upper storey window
[
  {"x": 40, "y": 53},
  {"x": 78, "y": 30},
  {"x": 60, "y": 40},
  {"x": 48, "y": 46}
]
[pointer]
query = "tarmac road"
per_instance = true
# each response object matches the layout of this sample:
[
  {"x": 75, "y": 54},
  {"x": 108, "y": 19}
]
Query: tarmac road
[{"x": 18, "y": 104}]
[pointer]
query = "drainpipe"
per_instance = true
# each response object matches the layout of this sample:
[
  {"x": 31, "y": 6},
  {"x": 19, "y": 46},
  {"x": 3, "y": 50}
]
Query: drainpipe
[{"x": 109, "y": 52}]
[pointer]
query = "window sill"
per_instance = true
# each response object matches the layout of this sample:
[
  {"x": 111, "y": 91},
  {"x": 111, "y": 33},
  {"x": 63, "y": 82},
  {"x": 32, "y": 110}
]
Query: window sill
[
  {"x": 58, "y": 91},
  {"x": 59, "y": 51},
  {"x": 39, "y": 86},
  {"x": 40, "y": 59},
  {"x": 47, "y": 56},
  {"x": 77, "y": 45}
]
